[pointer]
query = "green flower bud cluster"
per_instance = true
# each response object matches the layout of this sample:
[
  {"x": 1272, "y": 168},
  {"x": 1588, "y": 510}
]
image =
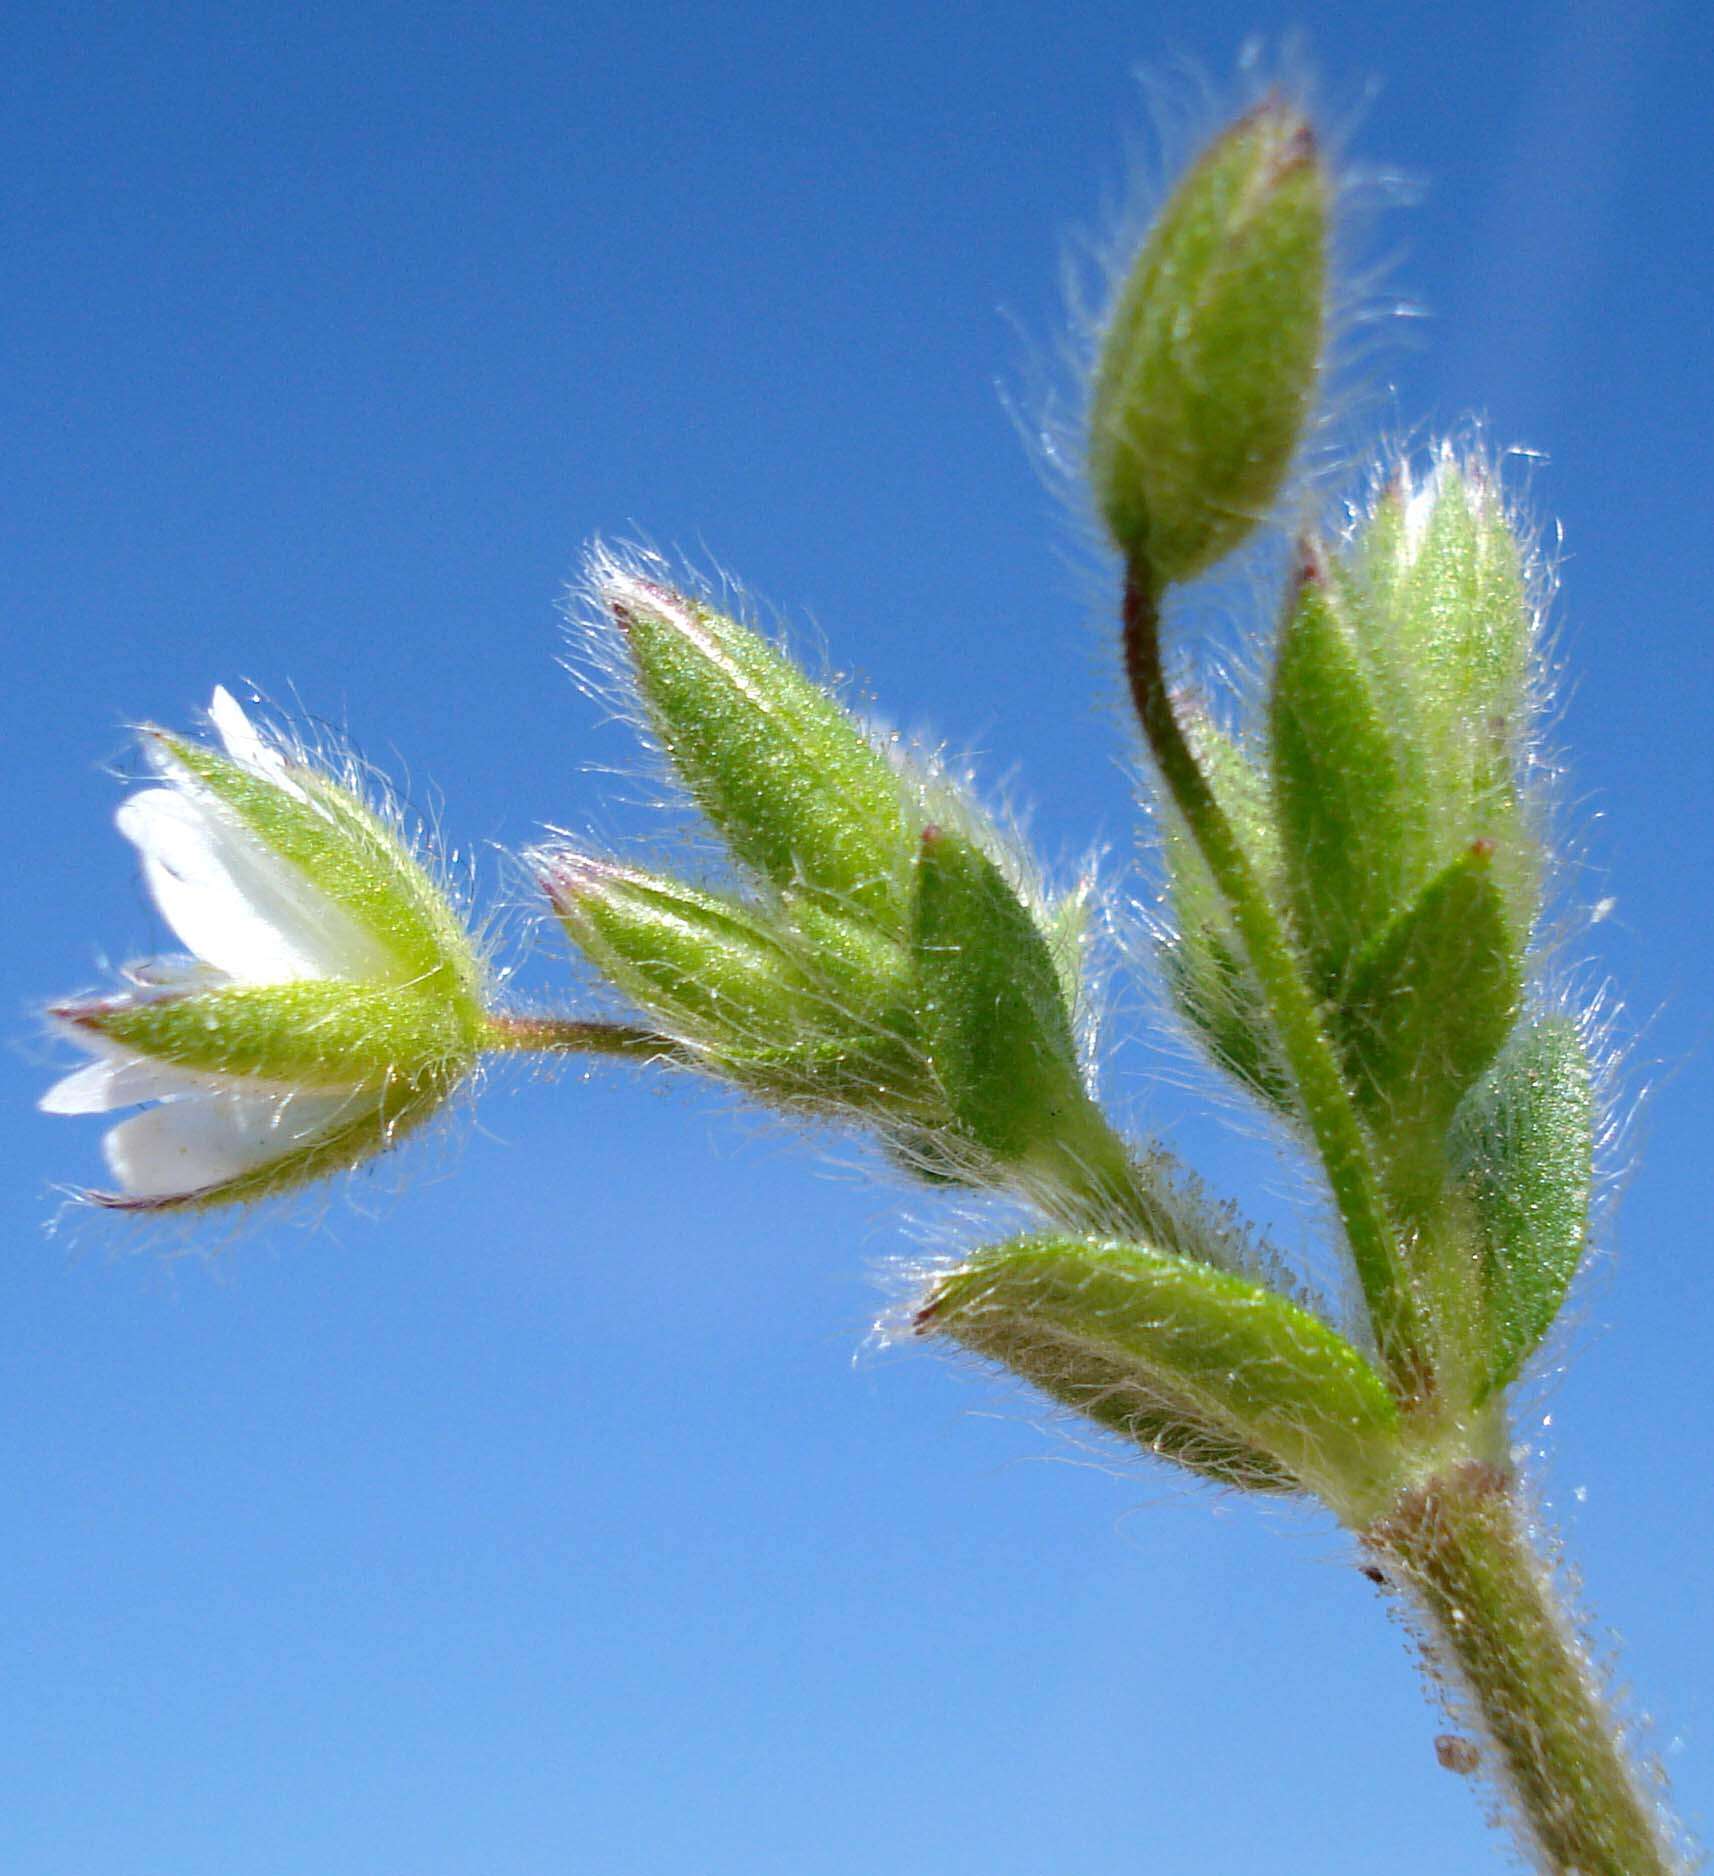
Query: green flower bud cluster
[
  {"x": 1354, "y": 872},
  {"x": 884, "y": 959},
  {"x": 1354, "y": 879}
]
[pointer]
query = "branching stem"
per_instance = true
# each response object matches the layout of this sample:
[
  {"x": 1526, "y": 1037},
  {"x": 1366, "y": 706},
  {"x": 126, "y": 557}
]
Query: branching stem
[
  {"x": 564, "y": 1035},
  {"x": 1327, "y": 1104}
]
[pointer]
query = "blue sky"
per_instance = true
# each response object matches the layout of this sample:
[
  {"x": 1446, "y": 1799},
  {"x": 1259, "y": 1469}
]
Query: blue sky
[{"x": 531, "y": 1514}]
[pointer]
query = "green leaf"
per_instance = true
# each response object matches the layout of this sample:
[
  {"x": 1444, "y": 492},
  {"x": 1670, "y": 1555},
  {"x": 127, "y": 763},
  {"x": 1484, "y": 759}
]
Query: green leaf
[
  {"x": 990, "y": 1007},
  {"x": 1522, "y": 1149},
  {"x": 1351, "y": 814},
  {"x": 1428, "y": 1007},
  {"x": 785, "y": 774},
  {"x": 1208, "y": 366},
  {"x": 1201, "y": 1365},
  {"x": 1206, "y": 974}
]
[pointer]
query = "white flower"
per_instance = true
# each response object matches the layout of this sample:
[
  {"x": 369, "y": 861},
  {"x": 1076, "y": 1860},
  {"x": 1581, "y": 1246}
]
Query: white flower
[{"x": 332, "y": 999}]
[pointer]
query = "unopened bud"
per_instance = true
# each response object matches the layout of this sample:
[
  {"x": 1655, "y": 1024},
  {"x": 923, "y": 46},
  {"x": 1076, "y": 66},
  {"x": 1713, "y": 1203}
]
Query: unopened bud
[
  {"x": 706, "y": 967},
  {"x": 1208, "y": 366},
  {"x": 792, "y": 1020}
]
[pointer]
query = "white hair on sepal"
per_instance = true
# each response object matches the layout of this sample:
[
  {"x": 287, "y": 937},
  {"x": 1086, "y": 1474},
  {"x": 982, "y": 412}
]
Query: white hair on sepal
[
  {"x": 596, "y": 657},
  {"x": 308, "y": 739}
]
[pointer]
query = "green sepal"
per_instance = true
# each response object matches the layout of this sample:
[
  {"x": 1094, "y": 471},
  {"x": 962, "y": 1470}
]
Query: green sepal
[
  {"x": 807, "y": 1007},
  {"x": 1428, "y": 1007},
  {"x": 1207, "y": 368},
  {"x": 1461, "y": 616},
  {"x": 316, "y": 1033},
  {"x": 350, "y": 855},
  {"x": 1522, "y": 1149},
  {"x": 1351, "y": 814},
  {"x": 990, "y": 1005},
  {"x": 1201, "y": 1365},
  {"x": 706, "y": 966},
  {"x": 786, "y": 775},
  {"x": 1452, "y": 630},
  {"x": 858, "y": 966},
  {"x": 1204, "y": 965}
]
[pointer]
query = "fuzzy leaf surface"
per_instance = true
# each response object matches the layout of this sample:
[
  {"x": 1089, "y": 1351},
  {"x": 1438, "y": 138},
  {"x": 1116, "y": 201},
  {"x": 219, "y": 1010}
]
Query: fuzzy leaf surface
[
  {"x": 1202, "y": 1365},
  {"x": 1522, "y": 1148}
]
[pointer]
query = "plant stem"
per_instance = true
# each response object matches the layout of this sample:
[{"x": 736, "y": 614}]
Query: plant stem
[
  {"x": 1327, "y": 1104},
  {"x": 1459, "y": 1544},
  {"x": 564, "y": 1035}
]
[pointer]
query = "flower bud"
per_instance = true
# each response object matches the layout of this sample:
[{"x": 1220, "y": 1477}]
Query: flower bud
[
  {"x": 1205, "y": 966},
  {"x": 795, "y": 1021},
  {"x": 787, "y": 776},
  {"x": 333, "y": 1002},
  {"x": 706, "y": 967},
  {"x": 1207, "y": 369}
]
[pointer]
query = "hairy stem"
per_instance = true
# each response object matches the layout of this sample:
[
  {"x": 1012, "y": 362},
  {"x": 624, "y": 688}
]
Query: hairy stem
[
  {"x": 1459, "y": 1544},
  {"x": 1327, "y": 1104},
  {"x": 564, "y": 1035}
]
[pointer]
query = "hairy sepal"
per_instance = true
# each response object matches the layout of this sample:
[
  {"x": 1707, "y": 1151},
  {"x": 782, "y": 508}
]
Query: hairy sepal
[
  {"x": 1427, "y": 1008},
  {"x": 787, "y": 776},
  {"x": 352, "y": 856},
  {"x": 1352, "y": 819},
  {"x": 317, "y": 1033},
  {"x": 1208, "y": 366},
  {"x": 990, "y": 1004},
  {"x": 1450, "y": 625}
]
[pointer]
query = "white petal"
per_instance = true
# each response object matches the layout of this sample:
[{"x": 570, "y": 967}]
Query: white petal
[
  {"x": 173, "y": 973},
  {"x": 187, "y": 1146},
  {"x": 121, "y": 1081},
  {"x": 233, "y": 902},
  {"x": 246, "y": 744}
]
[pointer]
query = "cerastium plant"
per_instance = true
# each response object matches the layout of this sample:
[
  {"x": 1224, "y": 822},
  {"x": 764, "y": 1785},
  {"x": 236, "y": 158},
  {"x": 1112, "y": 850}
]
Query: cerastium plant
[{"x": 1354, "y": 872}]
